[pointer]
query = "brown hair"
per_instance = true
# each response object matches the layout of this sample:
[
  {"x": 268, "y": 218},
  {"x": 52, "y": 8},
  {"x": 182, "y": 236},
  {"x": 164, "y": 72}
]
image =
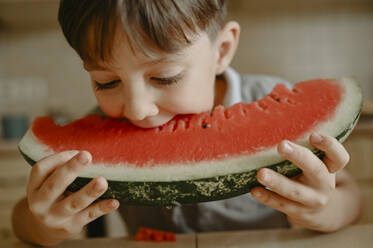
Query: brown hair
[{"x": 167, "y": 25}]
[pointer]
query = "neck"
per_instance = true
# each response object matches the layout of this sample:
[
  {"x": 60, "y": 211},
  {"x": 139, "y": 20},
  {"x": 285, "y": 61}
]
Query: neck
[{"x": 220, "y": 90}]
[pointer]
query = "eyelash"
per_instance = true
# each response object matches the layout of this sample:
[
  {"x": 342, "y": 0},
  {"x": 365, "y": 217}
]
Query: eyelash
[
  {"x": 168, "y": 81},
  {"x": 103, "y": 86},
  {"x": 162, "y": 81}
]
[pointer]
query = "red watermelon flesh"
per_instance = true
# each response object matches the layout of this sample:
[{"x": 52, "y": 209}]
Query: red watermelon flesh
[
  {"x": 240, "y": 129},
  {"x": 236, "y": 139}
]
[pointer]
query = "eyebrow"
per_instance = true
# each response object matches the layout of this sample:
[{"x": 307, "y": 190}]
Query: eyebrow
[{"x": 170, "y": 59}]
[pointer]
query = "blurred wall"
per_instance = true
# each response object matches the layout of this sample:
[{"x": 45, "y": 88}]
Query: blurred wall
[
  {"x": 299, "y": 39},
  {"x": 294, "y": 39},
  {"x": 32, "y": 45}
]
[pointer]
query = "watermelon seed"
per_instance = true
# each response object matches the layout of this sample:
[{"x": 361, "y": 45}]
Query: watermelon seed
[{"x": 206, "y": 125}]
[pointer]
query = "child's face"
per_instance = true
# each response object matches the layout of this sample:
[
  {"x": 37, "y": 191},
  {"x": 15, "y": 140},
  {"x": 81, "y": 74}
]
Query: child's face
[{"x": 150, "y": 92}]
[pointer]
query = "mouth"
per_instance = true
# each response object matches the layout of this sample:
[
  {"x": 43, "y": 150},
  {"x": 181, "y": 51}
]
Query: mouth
[{"x": 151, "y": 122}]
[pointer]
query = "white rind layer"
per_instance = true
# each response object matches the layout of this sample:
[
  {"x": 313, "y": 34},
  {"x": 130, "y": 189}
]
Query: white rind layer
[{"x": 344, "y": 116}]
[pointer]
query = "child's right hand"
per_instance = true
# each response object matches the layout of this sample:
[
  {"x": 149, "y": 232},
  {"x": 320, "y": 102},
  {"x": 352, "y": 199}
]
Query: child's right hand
[{"x": 63, "y": 216}]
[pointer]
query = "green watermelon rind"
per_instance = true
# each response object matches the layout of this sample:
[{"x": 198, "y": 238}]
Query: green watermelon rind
[{"x": 172, "y": 193}]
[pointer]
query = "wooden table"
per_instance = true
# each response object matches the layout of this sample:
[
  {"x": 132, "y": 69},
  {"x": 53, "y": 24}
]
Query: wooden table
[{"x": 357, "y": 236}]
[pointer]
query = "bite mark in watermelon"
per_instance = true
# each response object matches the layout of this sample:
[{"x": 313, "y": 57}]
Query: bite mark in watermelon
[{"x": 204, "y": 157}]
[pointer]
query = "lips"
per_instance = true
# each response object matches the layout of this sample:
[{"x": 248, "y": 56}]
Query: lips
[{"x": 153, "y": 121}]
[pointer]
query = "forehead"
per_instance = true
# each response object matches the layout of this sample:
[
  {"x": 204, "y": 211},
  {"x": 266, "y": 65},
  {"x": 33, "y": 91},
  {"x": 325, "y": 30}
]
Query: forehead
[{"x": 122, "y": 48}]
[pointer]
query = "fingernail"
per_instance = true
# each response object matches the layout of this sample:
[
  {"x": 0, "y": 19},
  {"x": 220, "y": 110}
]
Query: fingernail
[
  {"x": 98, "y": 186},
  {"x": 317, "y": 138},
  {"x": 72, "y": 153},
  {"x": 114, "y": 203},
  {"x": 287, "y": 147},
  {"x": 82, "y": 158},
  {"x": 257, "y": 193},
  {"x": 266, "y": 176}
]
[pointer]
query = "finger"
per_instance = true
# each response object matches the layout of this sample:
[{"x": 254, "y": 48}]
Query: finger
[
  {"x": 96, "y": 210},
  {"x": 294, "y": 222},
  {"x": 291, "y": 189},
  {"x": 67, "y": 193},
  {"x": 313, "y": 168},
  {"x": 62, "y": 177},
  {"x": 81, "y": 199},
  {"x": 44, "y": 167},
  {"x": 336, "y": 155},
  {"x": 275, "y": 201}
]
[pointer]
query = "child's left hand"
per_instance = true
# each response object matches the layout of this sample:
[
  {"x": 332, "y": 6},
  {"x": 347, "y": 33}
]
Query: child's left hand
[{"x": 307, "y": 200}]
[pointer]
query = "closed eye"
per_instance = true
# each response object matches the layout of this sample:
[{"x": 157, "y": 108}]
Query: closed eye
[
  {"x": 109, "y": 85},
  {"x": 168, "y": 80}
]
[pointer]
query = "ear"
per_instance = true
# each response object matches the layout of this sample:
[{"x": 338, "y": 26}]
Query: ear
[{"x": 226, "y": 45}]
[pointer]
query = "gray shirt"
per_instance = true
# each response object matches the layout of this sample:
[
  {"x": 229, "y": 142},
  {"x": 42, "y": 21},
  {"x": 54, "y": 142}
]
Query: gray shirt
[{"x": 242, "y": 212}]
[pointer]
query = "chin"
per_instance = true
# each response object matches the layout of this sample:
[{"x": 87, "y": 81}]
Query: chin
[{"x": 152, "y": 122}]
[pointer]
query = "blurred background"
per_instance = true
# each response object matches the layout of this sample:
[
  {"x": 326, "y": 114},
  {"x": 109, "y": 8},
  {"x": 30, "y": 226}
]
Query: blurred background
[{"x": 294, "y": 39}]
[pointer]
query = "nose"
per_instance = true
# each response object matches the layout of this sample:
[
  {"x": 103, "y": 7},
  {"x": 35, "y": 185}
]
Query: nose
[
  {"x": 139, "y": 104},
  {"x": 138, "y": 111}
]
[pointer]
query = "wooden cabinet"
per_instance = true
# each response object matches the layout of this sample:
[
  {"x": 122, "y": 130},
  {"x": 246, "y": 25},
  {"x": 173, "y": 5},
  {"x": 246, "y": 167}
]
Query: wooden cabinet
[
  {"x": 13, "y": 178},
  {"x": 360, "y": 147}
]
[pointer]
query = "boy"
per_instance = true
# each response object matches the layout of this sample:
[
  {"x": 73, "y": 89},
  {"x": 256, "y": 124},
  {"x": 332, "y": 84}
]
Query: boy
[{"x": 149, "y": 61}]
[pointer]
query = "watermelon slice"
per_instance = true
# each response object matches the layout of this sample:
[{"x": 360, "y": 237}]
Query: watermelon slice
[{"x": 204, "y": 157}]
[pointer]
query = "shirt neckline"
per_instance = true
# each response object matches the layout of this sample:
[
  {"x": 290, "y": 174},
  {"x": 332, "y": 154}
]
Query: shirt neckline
[{"x": 233, "y": 93}]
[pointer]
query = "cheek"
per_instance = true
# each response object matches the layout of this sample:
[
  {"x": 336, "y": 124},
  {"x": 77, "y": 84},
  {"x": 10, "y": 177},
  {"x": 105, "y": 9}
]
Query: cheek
[
  {"x": 195, "y": 96},
  {"x": 109, "y": 105},
  {"x": 202, "y": 81},
  {"x": 189, "y": 104}
]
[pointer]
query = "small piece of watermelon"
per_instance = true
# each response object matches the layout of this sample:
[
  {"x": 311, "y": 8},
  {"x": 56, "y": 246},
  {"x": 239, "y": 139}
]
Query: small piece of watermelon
[
  {"x": 204, "y": 157},
  {"x": 148, "y": 234}
]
